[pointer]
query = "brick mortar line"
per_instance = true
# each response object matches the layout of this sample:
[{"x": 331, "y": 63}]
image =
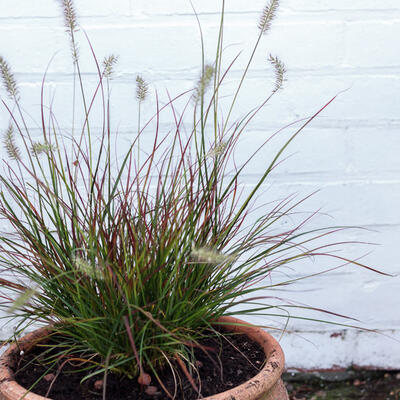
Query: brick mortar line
[
  {"x": 288, "y": 12},
  {"x": 348, "y": 125},
  {"x": 147, "y": 20},
  {"x": 29, "y": 78}
]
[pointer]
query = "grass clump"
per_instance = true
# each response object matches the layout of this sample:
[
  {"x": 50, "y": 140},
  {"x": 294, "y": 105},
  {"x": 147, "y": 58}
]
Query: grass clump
[{"x": 130, "y": 258}]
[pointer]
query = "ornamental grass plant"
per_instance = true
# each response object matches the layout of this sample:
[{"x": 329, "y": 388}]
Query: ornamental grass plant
[{"x": 132, "y": 257}]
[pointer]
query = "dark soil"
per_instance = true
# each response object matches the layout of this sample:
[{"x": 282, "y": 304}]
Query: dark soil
[
  {"x": 380, "y": 385},
  {"x": 235, "y": 370}
]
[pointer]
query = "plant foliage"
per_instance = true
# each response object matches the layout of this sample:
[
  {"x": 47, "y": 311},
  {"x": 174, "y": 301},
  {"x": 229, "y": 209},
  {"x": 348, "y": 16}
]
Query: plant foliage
[{"x": 132, "y": 258}]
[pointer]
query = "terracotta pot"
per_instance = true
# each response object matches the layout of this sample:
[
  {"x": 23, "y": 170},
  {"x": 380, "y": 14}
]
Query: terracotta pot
[{"x": 266, "y": 385}]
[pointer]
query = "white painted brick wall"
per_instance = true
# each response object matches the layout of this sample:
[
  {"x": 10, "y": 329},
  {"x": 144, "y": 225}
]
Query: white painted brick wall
[{"x": 351, "y": 152}]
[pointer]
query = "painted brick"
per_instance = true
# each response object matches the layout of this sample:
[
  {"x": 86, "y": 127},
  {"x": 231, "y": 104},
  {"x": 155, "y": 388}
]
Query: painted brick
[
  {"x": 374, "y": 150},
  {"x": 94, "y": 8},
  {"x": 364, "y": 349},
  {"x": 141, "y": 49},
  {"x": 325, "y": 5},
  {"x": 354, "y": 202},
  {"x": 312, "y": 45},
  {"x": 382, "y": 237},
  {"x": 350, "y": 152},
  {"x": 368, "y": 43},
  {"x": 208, "y": 6},
  {"x": 369, "y": 98},
  {"x": 52, "y": 8},
  {"x": 309, "y": 149},
  {"x": 42, "y": 41},
  {"x": 183, "y": 7},
  {"x": 337, "y": 293},
  {"x": 18, "y": 9},
  {"x": 362, "y": 203}
]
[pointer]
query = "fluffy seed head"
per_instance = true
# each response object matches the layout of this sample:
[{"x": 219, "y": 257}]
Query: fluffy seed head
[
  {"x": 9, "y": 81},
  {"x": 204, "y": 82},
  {"x": 86, "y": 268},
  {"x": 40, "y": 148},
  {"x": 83, "y": 266},
  {"x": 209, "y": 256},
  {"x": 268, "y": 15},
  {"x": 71, "y": 23},
  {"x": 142, "y": 89},
  {"x": 108, "y": 64},
  {"x": 13, "y": 151},
  {"x": 70, "y": 19},
  {"x": 22, "y": 299},
  {"x": 280, "y": 71},
  {"x": 218, "y": 150}
]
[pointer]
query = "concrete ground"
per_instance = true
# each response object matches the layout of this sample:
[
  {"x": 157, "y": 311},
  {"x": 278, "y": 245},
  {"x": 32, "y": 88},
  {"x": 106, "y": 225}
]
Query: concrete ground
[{"x": 360, "y": 385}]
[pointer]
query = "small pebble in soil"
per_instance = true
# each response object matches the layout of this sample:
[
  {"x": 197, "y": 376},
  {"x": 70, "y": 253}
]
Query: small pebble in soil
[
  {"x": 49, "y": 377},
  {"x": 152, "y": 391},
  {"x": 144, "y": 379},
  {"x": 98, "y": 385}
]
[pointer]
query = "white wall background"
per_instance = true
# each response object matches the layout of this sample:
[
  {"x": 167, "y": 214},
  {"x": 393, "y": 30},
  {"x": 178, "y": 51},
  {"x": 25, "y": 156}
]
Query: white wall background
[{"x": 351, "y": 152}]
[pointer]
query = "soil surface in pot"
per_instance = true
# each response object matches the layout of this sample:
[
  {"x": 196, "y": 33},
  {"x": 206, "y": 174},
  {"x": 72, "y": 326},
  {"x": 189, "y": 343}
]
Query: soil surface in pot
[{"x": 228, "y": 369}]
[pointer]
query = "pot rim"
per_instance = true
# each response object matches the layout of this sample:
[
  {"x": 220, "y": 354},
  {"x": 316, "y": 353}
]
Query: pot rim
[{"x": 261, "y": 383}]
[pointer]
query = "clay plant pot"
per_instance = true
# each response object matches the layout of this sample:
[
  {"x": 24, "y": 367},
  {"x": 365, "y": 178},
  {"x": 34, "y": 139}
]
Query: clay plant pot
[{"x": 266, "y": 385}]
